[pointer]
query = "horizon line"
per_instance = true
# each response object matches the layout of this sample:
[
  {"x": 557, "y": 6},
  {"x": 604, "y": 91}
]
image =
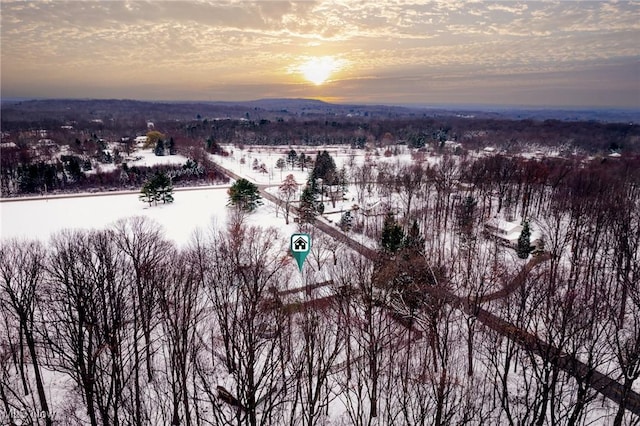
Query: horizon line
[{"x": 412, "y": 105}]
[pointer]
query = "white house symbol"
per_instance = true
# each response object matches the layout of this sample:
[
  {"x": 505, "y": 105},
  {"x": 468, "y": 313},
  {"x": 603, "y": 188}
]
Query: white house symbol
[{"x": 300, "y": 244}]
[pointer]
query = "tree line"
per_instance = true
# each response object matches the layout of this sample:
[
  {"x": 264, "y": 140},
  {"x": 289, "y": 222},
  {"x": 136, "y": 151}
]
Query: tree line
[{"x": 145, "y": 332}]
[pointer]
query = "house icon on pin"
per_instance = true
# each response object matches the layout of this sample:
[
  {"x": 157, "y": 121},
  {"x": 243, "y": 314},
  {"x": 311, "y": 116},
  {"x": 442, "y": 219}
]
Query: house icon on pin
[
  {"x": 300, "y": 247},
  {"x": 300, "y": 244}
]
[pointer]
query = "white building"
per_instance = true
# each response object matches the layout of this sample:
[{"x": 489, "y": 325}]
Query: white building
[{"x": 508, "y": 233}]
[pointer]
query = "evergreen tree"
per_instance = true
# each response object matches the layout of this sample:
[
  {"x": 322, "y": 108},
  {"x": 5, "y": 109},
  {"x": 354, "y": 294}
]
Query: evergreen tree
[
  {"x": 302, "y": 161},
  {"x": 392, "y": 235},
  {"x": 414, "y": 242},
  {"x": 158, "y": 188},
  {"x": 148, "y": 193},
  {"x": 343, "y": 180},
  {"x": 308, "y": 205},
  {"x": 244, "y": 195},
  {"x": 159, "y": 150},
  {"x": 73, "y": 166},
  {"x": 292, "y": 157},
  {"x": 466, "y": 216},
  {"x": 524, "y": 241},
  {"x": 346, "y": 221},
  {"x": 325, "y": 168},
  {"x": 164, "y": 188},
  {"x": 171, "y": 146}
]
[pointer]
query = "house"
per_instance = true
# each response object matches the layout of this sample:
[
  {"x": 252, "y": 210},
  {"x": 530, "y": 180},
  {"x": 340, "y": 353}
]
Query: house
[
  {"x": 505, "y": 232},
  {"x": 451, "y": 145},
  {"x": 489, "y": 149},
  {"x": 141, "y": 139},
  {"x": 508, "y": 233}
]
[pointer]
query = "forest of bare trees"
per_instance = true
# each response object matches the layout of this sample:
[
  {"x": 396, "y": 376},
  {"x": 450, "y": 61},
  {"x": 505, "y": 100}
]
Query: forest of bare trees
[{"x": 441, "y": 326}]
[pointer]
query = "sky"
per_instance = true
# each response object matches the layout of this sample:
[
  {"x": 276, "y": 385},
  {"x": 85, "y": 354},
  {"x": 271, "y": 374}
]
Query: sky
[{"x": 535, "y": 53}]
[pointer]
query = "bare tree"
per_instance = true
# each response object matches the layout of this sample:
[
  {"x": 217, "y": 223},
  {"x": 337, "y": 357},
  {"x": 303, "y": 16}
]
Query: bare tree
[
  {"x": 244, "y": 269},
  {"x": 410, "y": 183},
  {"x": 21, "y": 281},
  {"x": 145, "y": 247},
  {"x": 287, "y": 191},
  {"x": 313, "y": 363},
  {"x": 87, "y": 314},
  {"x": 180, "y": 302}
]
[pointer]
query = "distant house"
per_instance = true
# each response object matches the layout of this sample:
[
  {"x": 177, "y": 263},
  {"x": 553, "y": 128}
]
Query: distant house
[
  {"x": 507, "y": 233},
  {"x": 8, "y": 145},
  {"x": 452, "y": 145},
  {"x": 141, "y": 139}
]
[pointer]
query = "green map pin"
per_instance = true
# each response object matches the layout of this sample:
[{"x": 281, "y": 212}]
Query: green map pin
[{"x": 300, "y": 247}]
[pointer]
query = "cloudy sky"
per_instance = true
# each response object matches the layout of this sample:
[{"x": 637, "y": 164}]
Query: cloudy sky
[{"x": 561, "y": 53}]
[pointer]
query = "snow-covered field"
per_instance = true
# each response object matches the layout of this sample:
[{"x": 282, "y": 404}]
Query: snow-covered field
[{"x": 191, "y": 210}]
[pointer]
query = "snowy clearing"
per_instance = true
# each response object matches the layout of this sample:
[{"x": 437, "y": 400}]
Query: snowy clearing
[{"x": 193, "y": 209}]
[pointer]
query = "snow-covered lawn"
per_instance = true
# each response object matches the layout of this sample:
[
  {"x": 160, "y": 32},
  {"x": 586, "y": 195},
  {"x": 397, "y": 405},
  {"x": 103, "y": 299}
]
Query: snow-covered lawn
[
  {"x": 241, "y": 161},
  {"x": 192, "y": 209},
  {"x": 147, "y": 158}
]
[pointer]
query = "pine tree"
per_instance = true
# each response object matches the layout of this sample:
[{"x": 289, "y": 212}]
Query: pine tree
[
  {"x": 147, "y": 193},
  {"x": 466, "y": 216},
  {"x": 308, "y": 205},
  {"x": 346, "y": 221},
  {"x": 159, "y": 150},
  {"x": 158, "y": 188},
  {"x": 292, "y": 157},
  {"x": 414, "y": 242},
  {"x": 392, "y": 235},
  {"x": 325, "y": 168},
  {"x": 164, "y": 188},
  {"x": 302, "y": 161},
  {"x": 171, "y": 146},
  {"x": 244, "y": 195},
  {"x": 343, "y": 180},
  {"x": 524, "y": 241}
]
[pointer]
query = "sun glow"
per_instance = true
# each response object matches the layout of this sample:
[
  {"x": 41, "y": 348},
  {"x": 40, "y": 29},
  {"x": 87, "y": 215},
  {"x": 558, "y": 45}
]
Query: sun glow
[{"x": 317, "y": 70}]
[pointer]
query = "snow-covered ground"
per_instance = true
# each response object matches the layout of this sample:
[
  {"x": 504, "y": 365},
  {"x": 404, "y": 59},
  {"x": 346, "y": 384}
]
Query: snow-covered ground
[
  {"x": 147, "y": 158},
  {"x": 203, "y": 208},
  {"x": 192, "y": 209}
]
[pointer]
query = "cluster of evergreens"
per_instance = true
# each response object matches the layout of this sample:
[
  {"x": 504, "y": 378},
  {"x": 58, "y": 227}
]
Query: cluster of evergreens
[{"x": 158, "y": 188}]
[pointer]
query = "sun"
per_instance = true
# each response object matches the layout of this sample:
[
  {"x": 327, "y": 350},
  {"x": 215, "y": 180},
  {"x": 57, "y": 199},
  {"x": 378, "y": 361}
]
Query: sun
[{"x": 317, "y": 70}]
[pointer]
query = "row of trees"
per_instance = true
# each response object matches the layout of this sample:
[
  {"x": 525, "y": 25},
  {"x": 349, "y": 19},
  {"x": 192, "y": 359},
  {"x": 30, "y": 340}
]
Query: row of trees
[
  {"x": 67, "y": 175},
  {"x": 36, "y": 168},
  {"x": 205, "y": 334}
]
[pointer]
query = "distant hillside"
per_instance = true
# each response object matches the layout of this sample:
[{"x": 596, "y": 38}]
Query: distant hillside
[{"x": 271, "y": 109}]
